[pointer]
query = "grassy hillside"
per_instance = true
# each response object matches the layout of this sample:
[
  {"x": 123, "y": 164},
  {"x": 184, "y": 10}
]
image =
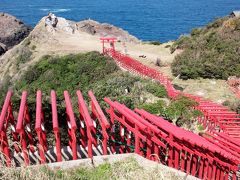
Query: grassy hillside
[
  {"x": 93, "y": 71},
  {"x": 209, "y": 52},
  {"x": 82, "y": 71},
  {"x": 89, "y": 71}
]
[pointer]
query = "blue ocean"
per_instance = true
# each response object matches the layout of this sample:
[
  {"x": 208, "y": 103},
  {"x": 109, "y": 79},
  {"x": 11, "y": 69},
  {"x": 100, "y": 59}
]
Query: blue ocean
[{"x": 160, "y": 20}]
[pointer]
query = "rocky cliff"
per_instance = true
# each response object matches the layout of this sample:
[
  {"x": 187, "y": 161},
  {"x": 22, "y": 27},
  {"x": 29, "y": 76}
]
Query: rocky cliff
[
  {"x": 12, "y": 31},
  {"x": 103, "y": 29}
]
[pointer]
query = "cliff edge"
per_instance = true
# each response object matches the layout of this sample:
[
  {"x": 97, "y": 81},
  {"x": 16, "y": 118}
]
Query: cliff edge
[{"x": 12, "y": 31}]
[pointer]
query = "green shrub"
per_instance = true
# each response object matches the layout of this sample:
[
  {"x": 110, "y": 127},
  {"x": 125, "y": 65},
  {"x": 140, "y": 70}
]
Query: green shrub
[
  {"x": 181, "y": 43},
  {"x": 200, "y": 127},
  {"x": 27, "y": 42},
  {"x": 102, "y": 171},
  {"x": 156, "y": 89},
  {"x": 24, "y": 56},
  {"x": 33, "y": 47},
  {"x": 180, "y": 108},
  {"x": 196, "y": 32},
  {"x": 180, "y": 111},
  {"x": 168, "y": 46},
  {"x": 154, "y": 108},
  {"x": 211, "y": 52},
  {"x": 217, "y": 23},
  {"x": 234, "y": 106},
  {"x": 157, "y": 43}
]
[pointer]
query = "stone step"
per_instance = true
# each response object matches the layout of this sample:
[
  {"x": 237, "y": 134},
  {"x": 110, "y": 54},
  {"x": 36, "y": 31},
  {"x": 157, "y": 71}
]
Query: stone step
[{"x": 51, "y": 157}]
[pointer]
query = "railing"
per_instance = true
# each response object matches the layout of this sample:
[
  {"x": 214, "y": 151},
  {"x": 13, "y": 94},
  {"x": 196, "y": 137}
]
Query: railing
[
  {"x": 219, "y": 118},
  {"x": 157, "y": 139},
  {"x": 72, "y": 127},
  {"x": 128, "y": 122},
  {"x": 136, "y": 67},
  {"x": 85, "y": 117},
  {"x": 23, "y": 128},
  {"x": 6, "y": 119},
  {"x": 212, "y": 156},
  {"x": 55, "y": 125},
  {"x": 97, "y": 113},
  {"x": 40, "y": 129},
  {"x": 221, "y": 121}
]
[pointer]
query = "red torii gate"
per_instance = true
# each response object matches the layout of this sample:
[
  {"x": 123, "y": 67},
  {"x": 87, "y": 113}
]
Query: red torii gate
[
  {"x": 212, "y": 156},
  {"x": 110, "y": 40}
]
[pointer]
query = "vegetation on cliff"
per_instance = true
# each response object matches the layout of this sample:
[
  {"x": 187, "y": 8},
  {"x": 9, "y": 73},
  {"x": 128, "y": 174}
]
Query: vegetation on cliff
[
  {"x": 179, "y": 111},
  {"x": 209, "y": 52},
  {"x": 90, "y": 71},
  {"x": 93, "y": 71}
]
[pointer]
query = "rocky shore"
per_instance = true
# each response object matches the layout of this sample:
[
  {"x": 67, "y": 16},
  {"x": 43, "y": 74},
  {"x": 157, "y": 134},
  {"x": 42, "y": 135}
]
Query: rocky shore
[{"x": 12, "y": 31}]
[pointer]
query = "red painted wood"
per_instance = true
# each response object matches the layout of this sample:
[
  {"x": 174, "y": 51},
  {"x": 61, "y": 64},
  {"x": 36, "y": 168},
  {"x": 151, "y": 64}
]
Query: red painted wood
[
  {"x": 21, "y": 113},
  {"x": 5, "y": 110},
  {"x": 98, "y": 114},
  {"x": 88, "y": 121},
  {"x": 5, "y": 118},
  {"x": 152, "y": 136},
  {"x": 72, "y": 125},
  {"x": 38, "y": 128},
  {"x": 55, "y": 125}
]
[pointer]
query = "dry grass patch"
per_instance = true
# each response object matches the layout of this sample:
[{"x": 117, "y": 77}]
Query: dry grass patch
[{"x": 125, "y": 169}]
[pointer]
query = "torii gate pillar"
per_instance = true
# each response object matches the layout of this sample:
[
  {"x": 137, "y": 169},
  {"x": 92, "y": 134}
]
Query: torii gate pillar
[{"x": 111, "y": 41}]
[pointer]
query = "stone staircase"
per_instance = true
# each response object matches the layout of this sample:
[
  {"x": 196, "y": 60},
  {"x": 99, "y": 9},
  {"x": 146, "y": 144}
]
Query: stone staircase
[{"x": 51, "y": 157}]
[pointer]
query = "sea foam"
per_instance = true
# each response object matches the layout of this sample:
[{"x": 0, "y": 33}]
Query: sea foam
[{"x": 55, "y": 10}]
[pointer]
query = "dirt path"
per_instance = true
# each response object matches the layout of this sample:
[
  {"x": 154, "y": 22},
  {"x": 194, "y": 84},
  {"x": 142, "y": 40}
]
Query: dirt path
[{"x": 215, "y": 90}]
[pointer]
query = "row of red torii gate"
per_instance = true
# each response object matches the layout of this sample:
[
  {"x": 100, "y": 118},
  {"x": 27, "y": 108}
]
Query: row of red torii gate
[{"x": 91, "y": 130}]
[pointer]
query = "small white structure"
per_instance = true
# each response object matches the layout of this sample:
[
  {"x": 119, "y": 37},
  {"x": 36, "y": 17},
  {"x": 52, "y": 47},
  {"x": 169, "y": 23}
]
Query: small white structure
[
  {"x": 235, "y": 13},
  {"x": 51, "y": 20},
  {"x": 65, "y": 25}
]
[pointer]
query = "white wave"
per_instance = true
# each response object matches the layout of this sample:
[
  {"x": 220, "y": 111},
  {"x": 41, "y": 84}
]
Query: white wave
[
  {"x": 43, "y": 9},
  {"x": 61, "y": 10},
  {"x": 55, "y": 10}
]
